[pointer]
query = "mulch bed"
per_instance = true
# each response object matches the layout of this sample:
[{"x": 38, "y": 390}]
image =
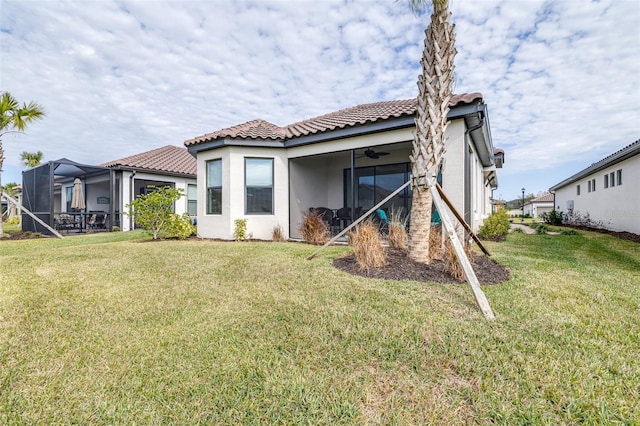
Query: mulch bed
[
  {"x": 400, "y": 267},
  {"x": 622, "y": 235}
]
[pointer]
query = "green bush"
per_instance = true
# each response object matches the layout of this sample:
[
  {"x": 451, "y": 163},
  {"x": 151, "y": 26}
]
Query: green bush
[
  {"x": 152, "y": 211},
  {"x": 552, "y": 218},
  {"x": 569, "y": 232},
  {"x": 495, "y": 227},
  {"x": 180, "y": 226},
  {"x": 15, "y": 220},
  {"x": 240, "y": 230}
]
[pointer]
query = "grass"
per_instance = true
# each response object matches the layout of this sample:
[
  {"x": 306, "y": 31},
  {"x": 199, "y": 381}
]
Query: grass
[{"x": 113, "y": 329}]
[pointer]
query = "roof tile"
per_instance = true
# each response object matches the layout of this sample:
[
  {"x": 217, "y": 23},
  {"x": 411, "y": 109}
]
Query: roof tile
[
  {"x": 348, "y": 117},
  {"x": 170, "y": 158}
]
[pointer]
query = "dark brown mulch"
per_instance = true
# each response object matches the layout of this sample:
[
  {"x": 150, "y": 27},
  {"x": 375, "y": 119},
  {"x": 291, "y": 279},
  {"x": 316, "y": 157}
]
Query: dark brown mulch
[
  {"x": 624, "y": 235},
  {"x": 401, "y": 267},
  {"x": 19, "y": 235}
]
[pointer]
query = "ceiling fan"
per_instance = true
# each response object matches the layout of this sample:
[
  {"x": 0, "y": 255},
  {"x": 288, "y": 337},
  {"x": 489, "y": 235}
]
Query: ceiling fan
[{"x": 370, "y": 153}]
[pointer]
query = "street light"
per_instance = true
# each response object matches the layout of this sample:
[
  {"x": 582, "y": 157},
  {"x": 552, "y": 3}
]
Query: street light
[{"x": 522, "y": 219}]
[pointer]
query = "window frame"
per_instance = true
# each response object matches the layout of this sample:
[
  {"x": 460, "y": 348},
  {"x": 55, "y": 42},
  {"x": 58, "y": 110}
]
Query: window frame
[
  {"x": 606, "y": 180},
  {"x": 578, "y": 190},
  {"x": 247, "y": 187},
  {"x": 209, "y": 204},
  {"x": 612, "y": 179},
  {"x": 192, "y": 201},
  {"x": 619, "y": 176}
]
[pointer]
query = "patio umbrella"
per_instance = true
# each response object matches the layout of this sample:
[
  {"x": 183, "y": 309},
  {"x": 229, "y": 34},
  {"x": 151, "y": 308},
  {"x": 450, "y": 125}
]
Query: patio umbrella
[{"x": 77, "y": 196}]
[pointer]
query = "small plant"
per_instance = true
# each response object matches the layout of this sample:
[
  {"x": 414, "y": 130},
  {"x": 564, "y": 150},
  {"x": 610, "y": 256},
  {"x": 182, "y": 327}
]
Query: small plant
[
  {"x": 180, "y": 226},
  {"x": 15, "y": 220},
  {"x": 240, "y": 229},
  {"x": 277, "y": 234},
  {"x": 313, "y": 229},
  {"x": 553, "y": 217},
  {"x": 436, "y": 244},
  {"x": 541, "y": 228},
  {"x": 152, "y": 211},
  {"x": 569, "y": 232},
  {"x": 367, "y": 245},
  {"x": 398, "y": 237},
  {"x": 517, "y": 231},
  {"x": 495, "y": 227}
]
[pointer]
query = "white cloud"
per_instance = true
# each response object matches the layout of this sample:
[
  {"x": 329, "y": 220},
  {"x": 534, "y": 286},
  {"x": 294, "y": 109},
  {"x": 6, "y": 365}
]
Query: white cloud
[{"x": 561, "y": 78}]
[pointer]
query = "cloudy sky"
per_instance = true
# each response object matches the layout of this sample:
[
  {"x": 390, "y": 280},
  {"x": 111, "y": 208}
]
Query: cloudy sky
[{"x": 561, "y": 78}]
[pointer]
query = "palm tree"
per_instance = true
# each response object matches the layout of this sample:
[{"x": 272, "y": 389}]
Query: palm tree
[
  {"x": 435, "y": 87},
  {"x": 15, "y": 118},
  {"x": 31, "y": 159}
]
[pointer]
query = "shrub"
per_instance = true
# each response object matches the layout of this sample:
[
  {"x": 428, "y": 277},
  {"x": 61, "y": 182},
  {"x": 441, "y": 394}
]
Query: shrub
[
  {"x": 15, "y": 220},
  {"x": 541, "y": 228},
  {"x": 569, "y": 232},
  {"x": 180, "y": 226},
  {"x": 552, "y": 218},
  {"x": 495, "y": 227},
  {"x": 367, "y": 245},
  {"x": 313, "y": 229},
  {"x": 436, "y": 245},
  {"x": 278, "y": 234},
  {"x": 398, "y": 237},
  {"x": 240, "y": 229},
  {"x": 152, "y": 211}
]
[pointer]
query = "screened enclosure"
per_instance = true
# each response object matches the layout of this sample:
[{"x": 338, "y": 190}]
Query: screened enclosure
[{"x": 50, "y": 192}]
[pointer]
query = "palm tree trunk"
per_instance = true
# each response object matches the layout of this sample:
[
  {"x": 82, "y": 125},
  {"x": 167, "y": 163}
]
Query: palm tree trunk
[{"x": 435, "y": 91}]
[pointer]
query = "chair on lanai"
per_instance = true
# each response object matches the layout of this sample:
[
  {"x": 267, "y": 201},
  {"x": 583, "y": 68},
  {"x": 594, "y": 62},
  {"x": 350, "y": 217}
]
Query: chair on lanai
[
  {"x": 343, "y": 216},
  {"x": 326, "y": 214}
]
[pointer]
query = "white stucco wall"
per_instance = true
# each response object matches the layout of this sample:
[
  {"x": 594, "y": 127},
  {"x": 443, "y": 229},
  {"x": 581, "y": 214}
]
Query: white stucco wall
[
  {"x": 302, "y": 180},
  {"x": 617, "y": 207},
  {"x": 259, "y": 226}
]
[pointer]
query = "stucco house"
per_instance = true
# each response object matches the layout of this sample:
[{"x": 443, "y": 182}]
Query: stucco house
[
  {"x": 539, "y": 205},
  {"x": 350, "y": 159},
  {"x": 606, "y": 190},
  {"x": 166, "y": 166},
  {"x": 107, "y": 189}
]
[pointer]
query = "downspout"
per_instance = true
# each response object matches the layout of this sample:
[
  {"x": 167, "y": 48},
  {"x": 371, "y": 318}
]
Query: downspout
[
  {"x": 467, "y": 170},
  {"x": 131, "y": 197},
  {"x": 353, "y": 185}
]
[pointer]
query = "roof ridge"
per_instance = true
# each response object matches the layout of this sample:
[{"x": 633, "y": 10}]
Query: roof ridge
[{"x": 340, "y": 119}]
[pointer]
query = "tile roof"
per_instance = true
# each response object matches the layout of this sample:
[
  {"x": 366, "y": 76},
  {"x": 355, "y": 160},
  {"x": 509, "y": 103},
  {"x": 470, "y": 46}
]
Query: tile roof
[
  {"x": 348, "y": 117},
  {"x": 544, "y": 198},
  {"x": 618, "y": 156},
  {"x": 170, "y": 158}
]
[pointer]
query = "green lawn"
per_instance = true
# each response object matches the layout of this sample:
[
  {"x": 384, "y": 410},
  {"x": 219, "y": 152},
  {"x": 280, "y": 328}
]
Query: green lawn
[{"x": 113, "y": 329}]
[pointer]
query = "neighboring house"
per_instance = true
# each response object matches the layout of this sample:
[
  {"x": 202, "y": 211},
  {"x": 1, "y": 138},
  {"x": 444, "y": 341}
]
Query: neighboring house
[
  {"x": 107, "y": 189},
  {"x": 539, "y": 205},
  {"x": 272, "y": 175},
  {"x": 167, "y": 166},
  {"x": 607, "y": 191}
]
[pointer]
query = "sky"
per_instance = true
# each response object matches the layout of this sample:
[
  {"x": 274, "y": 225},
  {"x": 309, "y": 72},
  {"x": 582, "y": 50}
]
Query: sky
[{"x": 561, "y": 78}]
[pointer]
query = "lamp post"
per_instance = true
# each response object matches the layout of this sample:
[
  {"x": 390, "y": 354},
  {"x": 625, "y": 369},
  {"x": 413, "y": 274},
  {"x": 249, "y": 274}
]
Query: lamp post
[{"x": 522, "y": 219}]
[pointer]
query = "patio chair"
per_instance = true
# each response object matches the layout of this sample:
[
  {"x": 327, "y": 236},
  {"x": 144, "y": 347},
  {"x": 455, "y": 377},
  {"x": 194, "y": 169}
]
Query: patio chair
[
  {"x": 383, "y": 220},
  {"x": 344, "y": 216},
  {"x": 97, "y": 220}
]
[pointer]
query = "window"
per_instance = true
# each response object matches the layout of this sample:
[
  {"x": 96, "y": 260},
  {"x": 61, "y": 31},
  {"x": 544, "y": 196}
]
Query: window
[
  {"x": 612, "y": 179},
  {"x": 69, "y": 191},
  {"x": 606, "y": 180},
  {"x": 214, "y": 187},
  {"x": 589, "y": 186},
  {"x": 258, "y": 185},
  {"x": 593, "y": 185},
  {"x": 192, "y": 200},
  {"x": 374, "y": 183},
  {"x": 619, "y": 175},
  {"x": 578, "y": 190}
]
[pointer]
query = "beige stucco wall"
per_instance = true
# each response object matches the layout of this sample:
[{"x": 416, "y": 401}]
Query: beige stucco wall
[{"x": 617, "y": 207}]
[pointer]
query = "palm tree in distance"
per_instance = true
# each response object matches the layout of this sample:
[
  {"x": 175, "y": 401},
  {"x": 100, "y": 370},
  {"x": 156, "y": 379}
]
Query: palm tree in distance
[
  {"x": 31, "y": 159},
  {"x": 435, "y": 87},
  {"x": 15, "y": 118}
]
